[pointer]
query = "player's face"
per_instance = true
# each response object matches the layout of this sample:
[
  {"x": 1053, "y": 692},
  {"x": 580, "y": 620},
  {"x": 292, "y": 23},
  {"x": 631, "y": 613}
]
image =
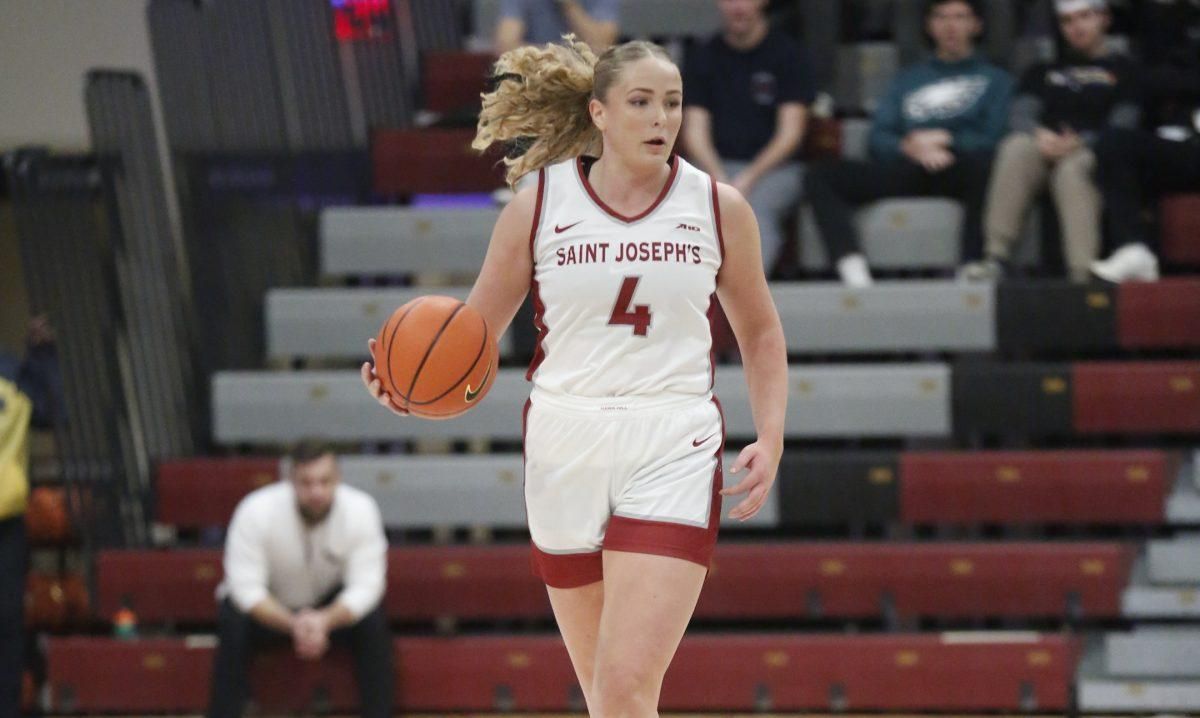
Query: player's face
[
  {"x": 315, "y": 482},
  {"x": 953, "y": 27},
  {"x": 740, "y": 16},
  {"x": 641, "y": 114},
  {"x": 1084, "y": 29}
]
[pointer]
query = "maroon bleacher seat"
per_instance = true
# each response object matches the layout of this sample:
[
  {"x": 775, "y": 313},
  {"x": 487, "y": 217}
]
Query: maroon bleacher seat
[
  {"x": 1159, "y": 315},
  {"x": 452, "y": 80},
  {"x": 193, "y": 493},
  {"x": 948, "y": 580},
  {"x": 87, "y": 675},
  {"x": 464, "y": 582},
  {"x": 406, "y": 162},
  {"x": 984, "y": 672},
  {"x": 748, "y": 580},
  {"x": 1022, "y": 487},
  {"x": 890, "y": 673},
  {"x": 159, "y": 585},
  {"x": 468, "y": 673},
  {"x": 172, "y": 675},
  {"x": 1179, "y": 216},
  {"x": 1136, "y": 397}
]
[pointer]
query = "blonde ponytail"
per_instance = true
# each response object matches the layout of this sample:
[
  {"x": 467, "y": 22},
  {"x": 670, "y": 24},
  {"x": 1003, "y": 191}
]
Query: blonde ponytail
[{"x": 542, "y": 93}]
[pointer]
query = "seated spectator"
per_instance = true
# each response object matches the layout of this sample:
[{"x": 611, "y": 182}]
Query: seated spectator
[
  {"x": 746, "y": 92},
  {"x": 536, "y": 22},
  {"x": 305, "y": 563},
  {"x": 1132, "y": 165},
  {"x": 933, "y": 135},
  {"x": 1059, "y": 112}
]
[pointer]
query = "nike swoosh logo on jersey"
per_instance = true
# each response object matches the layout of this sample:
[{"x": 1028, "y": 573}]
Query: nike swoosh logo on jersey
[
  {"x": 559, "y": 229},
  {"x": 472, "y": 395},
  {"x": 700, "y": 442}
]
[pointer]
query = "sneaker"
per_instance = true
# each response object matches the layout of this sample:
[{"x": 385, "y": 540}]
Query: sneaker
[
  {"x": 987, "y": 270},
  {"x": 854, "y": 271},
  {"x": 1132, "y": 262}
]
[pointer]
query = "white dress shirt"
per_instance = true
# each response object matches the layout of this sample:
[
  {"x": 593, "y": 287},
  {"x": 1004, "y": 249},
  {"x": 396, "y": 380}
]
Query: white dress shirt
[{"x": 270, "y": 550}]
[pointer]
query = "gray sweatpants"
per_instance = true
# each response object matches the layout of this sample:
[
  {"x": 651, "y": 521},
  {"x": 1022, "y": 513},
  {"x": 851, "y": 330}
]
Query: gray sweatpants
[{"x": 772, "y": 198}]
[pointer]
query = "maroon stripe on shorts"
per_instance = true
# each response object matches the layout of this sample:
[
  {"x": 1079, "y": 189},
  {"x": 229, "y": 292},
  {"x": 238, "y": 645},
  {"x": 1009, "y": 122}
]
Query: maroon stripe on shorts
[{"x": 663, "y": 538}]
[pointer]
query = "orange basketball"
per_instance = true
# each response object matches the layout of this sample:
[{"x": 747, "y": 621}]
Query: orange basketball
[{"x": 436, "y": 357}]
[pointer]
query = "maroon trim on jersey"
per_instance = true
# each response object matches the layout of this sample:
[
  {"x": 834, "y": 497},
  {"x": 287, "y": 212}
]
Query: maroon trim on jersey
[
  {"x": 539, "y": 309},
  {"x": 539, "y": 323},
  {"x": 537, "y": 215},
  {"x": 567, "y": 570},
  {"x": 717, "y": 217},
  {"x": 663, "y": 538},
  {"x": 712, "y": 341},
  {"x": 600, "y": 203}
]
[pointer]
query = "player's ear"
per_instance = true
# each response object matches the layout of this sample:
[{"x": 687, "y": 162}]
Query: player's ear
[{"x": 598, "y": 112}]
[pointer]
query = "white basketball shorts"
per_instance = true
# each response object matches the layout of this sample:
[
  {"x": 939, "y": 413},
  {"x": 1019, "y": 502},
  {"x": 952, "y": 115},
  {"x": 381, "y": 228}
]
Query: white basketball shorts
[{"x": 638, "y": 474}]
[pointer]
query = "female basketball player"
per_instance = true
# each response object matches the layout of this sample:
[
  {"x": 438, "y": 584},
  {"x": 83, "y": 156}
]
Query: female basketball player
[{"x": 623, "y": 438}]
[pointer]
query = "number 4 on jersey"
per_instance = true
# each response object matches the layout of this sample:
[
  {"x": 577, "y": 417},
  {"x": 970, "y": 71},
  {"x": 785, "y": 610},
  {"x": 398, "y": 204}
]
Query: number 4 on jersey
[{"x": 639, "y": 318}]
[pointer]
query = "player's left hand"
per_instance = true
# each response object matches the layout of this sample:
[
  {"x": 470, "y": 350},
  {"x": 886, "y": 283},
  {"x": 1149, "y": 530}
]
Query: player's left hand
[{"x": 762, "y": 461}]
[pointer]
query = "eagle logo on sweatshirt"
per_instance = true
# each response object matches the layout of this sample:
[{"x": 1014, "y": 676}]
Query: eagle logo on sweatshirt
[{"x": 944, "y": 99}]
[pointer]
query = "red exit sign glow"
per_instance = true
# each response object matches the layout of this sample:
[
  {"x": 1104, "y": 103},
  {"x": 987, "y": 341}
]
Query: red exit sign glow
[{"x": 362, "y": 19}]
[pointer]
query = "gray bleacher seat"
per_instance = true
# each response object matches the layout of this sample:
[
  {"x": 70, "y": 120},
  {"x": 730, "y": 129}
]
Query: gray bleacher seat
[
  {"x": 336, "y": 323},
  {"x": 831, "y": 400},
  {"x": 817, "y": 318},
  {"x": 864, "y": 71},
  {"x": 1175, "y": 561},
  {"x": 1132, "y": 684},
  {"x": 1146, "y": 601},
  {"x": 890, "y": 316},
  {"x": 897, "y": 233},
  {"x": 1138, "y": 696},
  {"x": 395, "y": 240},
  {"x": 471, "y": 490},
  {"x": 1183, "y": 506},
  {"x": 639, "y": 18},
  {"x": 907, "y": 233},
  {"x": 1153, "y": 652}
]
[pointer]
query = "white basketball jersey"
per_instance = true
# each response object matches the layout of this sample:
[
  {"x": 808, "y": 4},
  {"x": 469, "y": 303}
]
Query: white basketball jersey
[{"x": 622, "y": 304}]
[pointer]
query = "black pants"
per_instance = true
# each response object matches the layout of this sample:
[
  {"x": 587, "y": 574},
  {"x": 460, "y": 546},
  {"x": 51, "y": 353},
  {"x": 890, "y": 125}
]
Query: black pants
[
  {"x": 1133, "y": 166},
  {"x": 13, "y": 563},
  {"x": 240, "y": 635},
  {"x": 837, "y": 188}
]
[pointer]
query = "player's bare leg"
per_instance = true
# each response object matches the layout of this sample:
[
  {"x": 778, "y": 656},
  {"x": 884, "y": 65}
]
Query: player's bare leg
[
  {"x": 648, "y": 602},
  {"x": 577, "y": 611}
]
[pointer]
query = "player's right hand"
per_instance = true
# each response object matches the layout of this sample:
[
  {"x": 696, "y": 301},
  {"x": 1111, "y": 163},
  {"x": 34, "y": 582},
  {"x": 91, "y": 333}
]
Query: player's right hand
[{"x": 375, "y": 386}]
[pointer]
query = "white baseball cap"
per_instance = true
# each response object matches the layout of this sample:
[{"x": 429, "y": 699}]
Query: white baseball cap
[{"x": 1062, "y": 7}]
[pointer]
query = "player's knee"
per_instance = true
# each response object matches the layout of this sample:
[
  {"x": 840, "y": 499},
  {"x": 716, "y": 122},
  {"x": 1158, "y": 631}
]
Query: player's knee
[{"x": 624, "y": 690}]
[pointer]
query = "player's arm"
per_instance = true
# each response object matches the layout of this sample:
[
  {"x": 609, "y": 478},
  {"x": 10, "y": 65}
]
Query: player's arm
[
  {"x": 503, "y": 280},
  {"x": 501, "y": 286},
  {"x": 746, "y": 299}
]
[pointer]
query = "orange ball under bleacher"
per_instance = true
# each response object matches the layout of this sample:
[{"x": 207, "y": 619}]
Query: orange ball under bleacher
[
  {"x": 436, "y": 357},
  {"x": 47, "y": 520}
]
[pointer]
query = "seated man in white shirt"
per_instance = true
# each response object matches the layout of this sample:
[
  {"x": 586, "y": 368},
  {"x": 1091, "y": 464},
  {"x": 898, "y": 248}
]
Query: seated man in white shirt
[{"x": 305, "y": 562}]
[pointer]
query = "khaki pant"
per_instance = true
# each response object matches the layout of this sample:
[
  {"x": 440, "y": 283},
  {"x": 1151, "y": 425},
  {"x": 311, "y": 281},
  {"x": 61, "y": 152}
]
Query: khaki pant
[{"x": 1020, "y": 173}]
